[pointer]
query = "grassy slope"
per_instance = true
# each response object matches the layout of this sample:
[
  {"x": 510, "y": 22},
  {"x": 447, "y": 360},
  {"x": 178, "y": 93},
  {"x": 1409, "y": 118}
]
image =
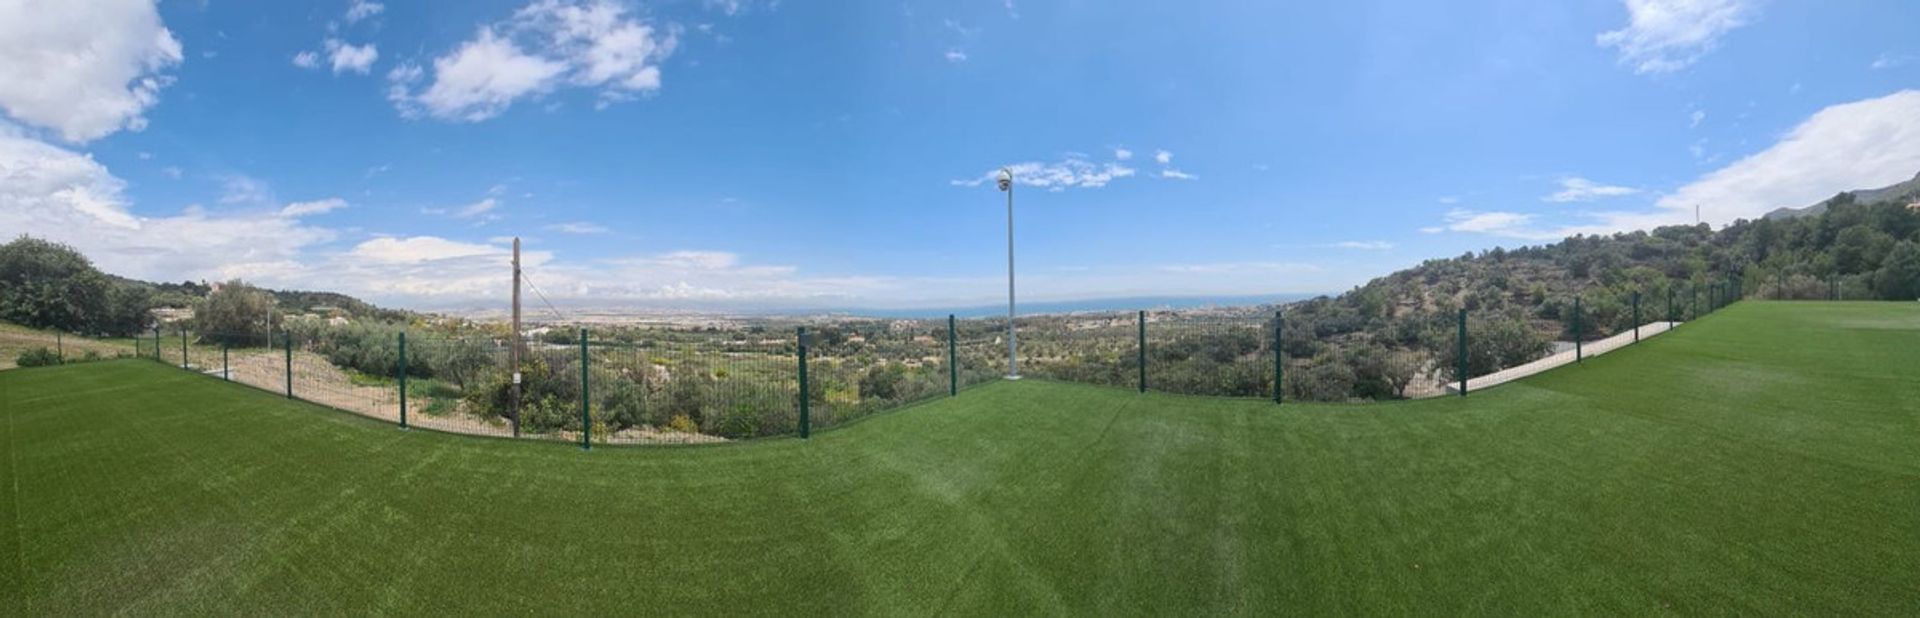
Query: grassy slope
[
  {"x": 15, "y": 339},
  {"x": 1764, "y": 459}
]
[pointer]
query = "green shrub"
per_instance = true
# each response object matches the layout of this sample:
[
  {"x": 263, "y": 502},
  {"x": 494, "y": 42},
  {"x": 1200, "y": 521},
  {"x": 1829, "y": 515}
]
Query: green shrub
[{"x": 37, "y": 357}]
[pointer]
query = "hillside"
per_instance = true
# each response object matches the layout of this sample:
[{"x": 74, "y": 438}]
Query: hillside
[
  {"x": 1901, "y": 192},
  {"x": 1519, "y": 300}
]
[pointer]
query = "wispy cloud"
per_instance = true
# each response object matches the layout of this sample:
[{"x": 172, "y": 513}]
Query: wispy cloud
[
  {"x": 1891, "y": 60},
  {"x": 955, "y": 55},
  {"x": 578, "y": 227},
  {"x": 1075, "y": 172},
  {"x": 1494, "y": 223},
  {"x": 1663, "y": 36},
  {"x": 362, "y": 9},
  {"x": 316, "y": 207},
  {"x": 1177, "y": 175},
  {"x": 1577, "y": 189},
  {"x": 1361, "y": 245}
]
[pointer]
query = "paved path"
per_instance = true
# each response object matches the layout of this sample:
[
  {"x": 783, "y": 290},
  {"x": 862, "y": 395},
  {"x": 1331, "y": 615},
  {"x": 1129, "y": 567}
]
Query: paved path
[{"x": 1591, "y": 348}]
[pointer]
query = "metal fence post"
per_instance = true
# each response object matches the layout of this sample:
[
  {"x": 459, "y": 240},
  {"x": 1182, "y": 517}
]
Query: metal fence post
[
  {"x": 1669, "y": 305},
  {"x": 1140, "y": 350},
  {"x": 289, "y": 365},
  {"x": 183, "y": 346},
  {"x": 1462, "y": 362},
  {"x": 953, "y": 366},
  {"x": 586, "y": 397},
  {"x": 60, "y": 347},
  {"x": 1579, "y": 355},
  {"x": 226, "y": 368},
  {"x": 806, "y": 396},
  {"x": 1279, "y": 354},
  {"x": 403, "y": 380},
  {"x": 1636, "y": 317},
  {"x": 156, "y": 342}
]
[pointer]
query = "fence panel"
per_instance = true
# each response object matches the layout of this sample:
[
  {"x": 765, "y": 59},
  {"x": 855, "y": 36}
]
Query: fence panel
[{"x": 1090, "y": 348}]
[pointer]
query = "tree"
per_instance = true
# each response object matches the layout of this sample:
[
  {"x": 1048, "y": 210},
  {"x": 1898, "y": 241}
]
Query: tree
[
  {"x": 238, "y": 314},
  {"x": 1899, "y": 277},
  {"x": 50, "y": 285}
]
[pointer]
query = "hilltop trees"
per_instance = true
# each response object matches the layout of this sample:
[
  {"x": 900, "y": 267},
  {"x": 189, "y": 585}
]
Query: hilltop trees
[{"x": 50, "y": 285}]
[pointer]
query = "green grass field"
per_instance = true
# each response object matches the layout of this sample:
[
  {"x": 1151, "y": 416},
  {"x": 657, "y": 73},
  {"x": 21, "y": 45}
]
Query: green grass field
[{"x": 1765, "y": 459}]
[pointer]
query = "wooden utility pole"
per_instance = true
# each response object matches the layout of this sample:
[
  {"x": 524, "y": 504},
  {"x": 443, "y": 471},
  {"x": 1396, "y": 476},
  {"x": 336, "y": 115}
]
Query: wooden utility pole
[{"x": 513, "y": 344}]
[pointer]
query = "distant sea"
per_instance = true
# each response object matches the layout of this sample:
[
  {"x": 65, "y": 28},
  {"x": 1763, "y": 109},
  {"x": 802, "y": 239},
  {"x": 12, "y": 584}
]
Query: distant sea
[{"x": 1073, "y": 306}]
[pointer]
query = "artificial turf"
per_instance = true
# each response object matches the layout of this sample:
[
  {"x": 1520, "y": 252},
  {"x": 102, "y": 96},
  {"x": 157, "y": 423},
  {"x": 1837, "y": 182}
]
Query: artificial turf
[{"x": 1765, "y": 459}]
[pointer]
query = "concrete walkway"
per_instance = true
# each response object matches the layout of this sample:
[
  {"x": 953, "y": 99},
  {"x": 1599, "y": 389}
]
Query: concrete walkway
[{"x": 1591, "y": 348}]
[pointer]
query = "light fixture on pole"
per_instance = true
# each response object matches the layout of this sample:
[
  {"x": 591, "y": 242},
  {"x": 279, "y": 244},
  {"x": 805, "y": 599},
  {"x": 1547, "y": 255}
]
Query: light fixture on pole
[{"x": 1013, "y": 343}]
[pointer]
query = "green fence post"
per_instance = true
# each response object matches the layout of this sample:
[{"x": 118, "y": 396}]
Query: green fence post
[
  {"x": 226, "y": 368},
  {"x": 183, "y": 347},
  {"x": 403, "y": 380},
  {"x": 1279, "y": 354},
  {"x": 1636, "y": 317},
  {"x": 586, "y": 397},
  {"x": 1579, "y": 355},
  {"x": 156, "y": 342},
  {"x": 60, "y": 347},
  {"x": 1140, "y": 350},
  {"x": 806, "y": 403},
  {"x": 289, "y": 365},
  {"x": 1669, "y": 305},
  {"x": 1461, "y": 364},
  {"x": 1693, "y": 296},
  {"x": 953, "y": 366}
]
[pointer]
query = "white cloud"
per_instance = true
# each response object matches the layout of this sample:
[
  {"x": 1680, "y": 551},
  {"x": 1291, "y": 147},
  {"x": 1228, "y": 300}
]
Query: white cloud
[
  {"x": 362, "y": 9},
  {"x": 1163, "y": 157},
  {"x": 1694, "y": 120},
  {"x": 1362, "y": 245},
  {"x": 1576, "y": 189},
  {"x": 316, "y": 207},
  {"x": 83, "y": 68},
  {"x": 171, "y": 172},
  {"x": 242, "y": 189},
  {"x": 578, "y": 227},
  {"x": 475, "y": 82},
  {"x": 1496, "y": 223},
  {"x": 586, "y": 44},
  {"x": 1122, "y": 154},
  {"x": 1860, "y": 145},
  {"x": 1663, "y": 36},
  {"x": 306, "y": 60},
  {"x": 345, "y": 57},
  {"x": 420, "y": 249},
  {"x": 1448, "y": 199},
  {"x": 1075, "y": 172},
  {"x": 1891, "y": 61},
  {"x": 67, "y": 197},
  {"x": 476, "y": 209},
  {"x": 1177, "y": 175},
  {"x": 955, "y": 55}
]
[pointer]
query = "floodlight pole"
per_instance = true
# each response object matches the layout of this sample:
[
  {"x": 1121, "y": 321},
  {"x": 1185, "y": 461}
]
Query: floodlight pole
[{"x": 1013, "y": 342}]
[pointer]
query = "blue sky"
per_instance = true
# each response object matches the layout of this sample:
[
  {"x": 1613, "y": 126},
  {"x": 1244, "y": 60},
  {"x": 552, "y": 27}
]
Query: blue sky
[{"x": 809, "y": 154}]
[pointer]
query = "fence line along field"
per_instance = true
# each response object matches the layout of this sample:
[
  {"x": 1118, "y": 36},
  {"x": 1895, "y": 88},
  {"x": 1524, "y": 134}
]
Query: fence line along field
[
  {"x": 1761, "y": 460},
  {"x": 726, "y": 379}
]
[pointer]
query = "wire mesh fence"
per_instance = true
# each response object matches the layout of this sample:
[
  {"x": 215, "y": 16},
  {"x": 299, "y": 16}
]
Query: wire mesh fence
[{"x": 728, "y": 381}]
